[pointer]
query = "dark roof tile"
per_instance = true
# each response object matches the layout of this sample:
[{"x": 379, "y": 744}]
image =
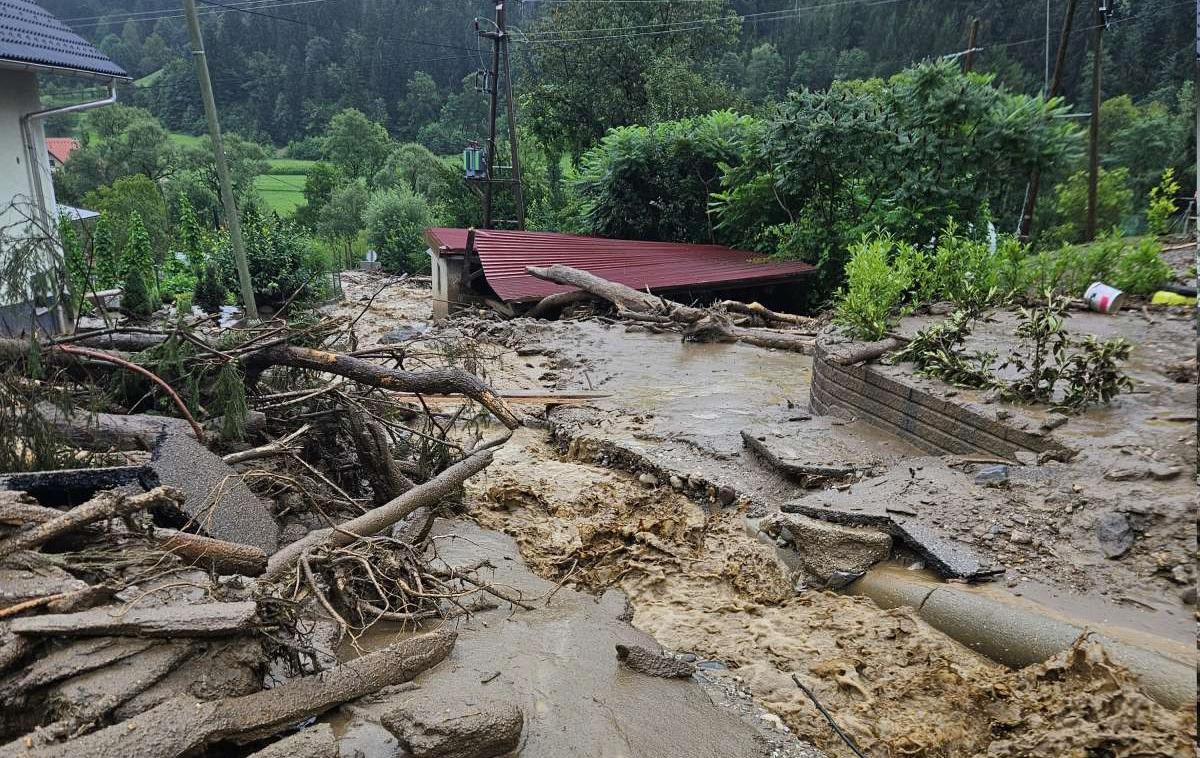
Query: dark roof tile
[{"x": 28, "y": 34}]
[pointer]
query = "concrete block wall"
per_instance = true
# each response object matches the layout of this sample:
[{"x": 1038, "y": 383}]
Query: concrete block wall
[{"x": 929, "y": 422}]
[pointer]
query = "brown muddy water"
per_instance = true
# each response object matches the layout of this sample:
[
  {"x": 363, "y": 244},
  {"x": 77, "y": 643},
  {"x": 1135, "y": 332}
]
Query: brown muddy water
[{"x": 698, "y": 583}]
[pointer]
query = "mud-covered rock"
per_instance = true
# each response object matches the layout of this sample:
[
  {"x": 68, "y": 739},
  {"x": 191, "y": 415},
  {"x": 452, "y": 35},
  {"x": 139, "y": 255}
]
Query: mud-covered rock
[
  {"x": 1114, "y": 533},
  {"x": 651, "y": 663},
  {"x": 316, "y": 742},
  {"x": 463, "y": 727},
  {"x": 824, "y": 549}
]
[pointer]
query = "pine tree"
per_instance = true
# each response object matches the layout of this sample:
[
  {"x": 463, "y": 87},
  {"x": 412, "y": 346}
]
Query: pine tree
[
  {"x": 138, "y": 262},
  {"x": 191, "y": 236},
  {"x": 209, "y": 294},
  {"x": 104, "y": 253}
]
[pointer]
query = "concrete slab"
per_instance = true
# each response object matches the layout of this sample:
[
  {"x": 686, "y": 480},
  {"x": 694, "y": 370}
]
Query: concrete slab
[
  {"x": 907, "y": 508},
  {"x": 809, "y": 450}
]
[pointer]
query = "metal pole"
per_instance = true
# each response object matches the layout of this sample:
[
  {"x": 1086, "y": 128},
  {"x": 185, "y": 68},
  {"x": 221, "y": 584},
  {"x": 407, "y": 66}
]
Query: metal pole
[
  {"x": 214, "y": 131},
  {"x": 514, "y": 145},
  {"x": 1035, "y": 178},
  {"x": 488, "y": 187},
  {"x": 1089, "y": 232}
]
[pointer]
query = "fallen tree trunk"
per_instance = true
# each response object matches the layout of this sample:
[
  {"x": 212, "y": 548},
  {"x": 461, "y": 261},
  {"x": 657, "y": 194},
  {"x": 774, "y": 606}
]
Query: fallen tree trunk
[
  {"x": 103, "y": 506},
  {"x": 315, "y": 742},
  {"x": 207, "y": 553},
  {"x": 760, "y": 311},
  {"x": 716, "y": 328},
  {"x": 203, "y": 620},
  {"x": 433, "y": 381},
  {"x": 700, "y": 324},
  {"x": 550, "y": 306},
  {"x": 625, "y": 298},
  {"x": 867, "y": 351},
  {"x": 184, "y": 725},
  {"x": 378, "y": 519}
]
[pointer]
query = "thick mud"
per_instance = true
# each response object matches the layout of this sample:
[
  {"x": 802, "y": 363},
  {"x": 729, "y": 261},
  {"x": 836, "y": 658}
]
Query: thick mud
[{"x": 698, "y": 583}]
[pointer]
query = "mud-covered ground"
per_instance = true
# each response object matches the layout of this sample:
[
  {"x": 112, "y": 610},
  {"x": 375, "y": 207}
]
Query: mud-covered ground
[{"x": 699, "y": 584}]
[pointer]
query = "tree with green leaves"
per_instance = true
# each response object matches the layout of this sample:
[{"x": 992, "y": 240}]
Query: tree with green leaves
[
  {"x": 356, "y": 145},
  {"x": 78, "y": 263},
  {"x": 137, "y": 260},
  {"x": 421, "y": 104},
  {"x": 191, "y": 237},
  {"x": 414, "y": 167},
  {"x": 119, "y": 141},
  {"x": 106, "y": 254},
  {"x": 576, "y": 92},
  {"x": 766, "y": 74},
  {"x": 395, "y": 222},
  {"x": 341, "y": 219},
  {"x": 129, "y": 196},
  {"x": 320, "y": 181}
]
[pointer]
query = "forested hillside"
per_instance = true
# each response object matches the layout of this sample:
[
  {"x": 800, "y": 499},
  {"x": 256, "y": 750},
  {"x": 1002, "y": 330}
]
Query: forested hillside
[{"x": 282, "y": 68}]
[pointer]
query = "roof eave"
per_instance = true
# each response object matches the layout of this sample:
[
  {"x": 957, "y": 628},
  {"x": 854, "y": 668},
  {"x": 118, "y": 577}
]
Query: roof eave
[{"x": 42, "y": 68}]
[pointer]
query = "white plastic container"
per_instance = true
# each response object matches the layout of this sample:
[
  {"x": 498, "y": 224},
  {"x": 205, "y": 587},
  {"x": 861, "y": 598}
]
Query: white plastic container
[{"x": 1103, "y": 298}]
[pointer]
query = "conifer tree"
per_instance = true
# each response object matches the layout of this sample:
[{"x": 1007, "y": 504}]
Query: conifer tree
[{"x": 138, "y": 262}]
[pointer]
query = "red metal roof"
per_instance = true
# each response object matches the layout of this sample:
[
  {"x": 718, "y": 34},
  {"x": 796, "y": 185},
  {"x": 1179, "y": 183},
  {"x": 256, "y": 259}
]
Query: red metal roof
[{"x": 638, "y": 264}]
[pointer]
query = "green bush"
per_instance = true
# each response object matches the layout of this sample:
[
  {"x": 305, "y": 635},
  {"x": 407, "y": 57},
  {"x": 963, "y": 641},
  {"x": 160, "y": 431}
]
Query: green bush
[
  {"x": 874, "y": 286},
  {"x": 209, "y": 294},
  {"x": 959, "y": 269},
  {"x": 396, "y": 221},
  {"x": 1141, "y": 270},
  {"x": 137, "y": 260},
  {"x": 1114, "y": 203},
  {"x": 282, "y": 260},
  {"x": 1162, "y": 203}
]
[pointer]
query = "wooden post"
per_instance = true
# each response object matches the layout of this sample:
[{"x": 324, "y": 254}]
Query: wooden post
[
  {"x": 969, "y": 61},
  {"x": 1089, "y": 232}
]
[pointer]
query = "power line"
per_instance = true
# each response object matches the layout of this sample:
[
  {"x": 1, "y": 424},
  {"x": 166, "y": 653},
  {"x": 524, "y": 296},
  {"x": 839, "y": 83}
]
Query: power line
[
  {"x": 409, "y": 40},
  {"x": 170, "y": 15}
]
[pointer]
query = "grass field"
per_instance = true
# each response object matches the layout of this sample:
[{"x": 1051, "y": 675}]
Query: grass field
[
  {"x": 289, "y": 166},
  {"x": 281, "y": 192}
]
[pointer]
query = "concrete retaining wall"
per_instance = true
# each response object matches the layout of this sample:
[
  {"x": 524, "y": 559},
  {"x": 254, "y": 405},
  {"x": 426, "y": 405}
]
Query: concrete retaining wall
[{"x": 928, "y": 422}]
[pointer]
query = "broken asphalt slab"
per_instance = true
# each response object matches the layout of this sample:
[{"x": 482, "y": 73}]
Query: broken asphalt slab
[
  {"x": 899, "y": 504},
  {"x": 808, "y": 451}
]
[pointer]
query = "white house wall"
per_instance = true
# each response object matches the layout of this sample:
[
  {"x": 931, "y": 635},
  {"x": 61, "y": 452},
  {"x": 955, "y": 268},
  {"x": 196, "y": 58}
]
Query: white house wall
[{"x": 18, "y": 96}]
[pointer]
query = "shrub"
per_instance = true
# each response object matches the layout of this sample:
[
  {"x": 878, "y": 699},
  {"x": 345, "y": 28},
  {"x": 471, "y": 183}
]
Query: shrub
[
  {"x": 396, "y": 221},
  {"x": 1140, "y": 270},
  {"x": 282, "y": 260},
  {"x": 874, "y": 286},
  {"x": 136, "y": 297},
  {"x": 959, "y": 269},
  {"x": 209, "y": 294},
  {"x": 1162, "y": 203},
  {"x": 137, "y": 261},
  {"x": 1114, "y": 202}
]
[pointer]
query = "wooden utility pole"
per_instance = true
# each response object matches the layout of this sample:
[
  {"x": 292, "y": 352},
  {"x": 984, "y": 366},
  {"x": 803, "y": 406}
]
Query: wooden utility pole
[
  {"x": 214, "y": 131},
  {"x": 1089, "y": 230},
  {"x": 500, "y": 50},
  {"x": 1035, "y": 178},
  {"x": 969, "y": 60}
]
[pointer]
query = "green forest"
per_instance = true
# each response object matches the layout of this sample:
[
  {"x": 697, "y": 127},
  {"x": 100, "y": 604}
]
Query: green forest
[{"x": 798, "y": 132}]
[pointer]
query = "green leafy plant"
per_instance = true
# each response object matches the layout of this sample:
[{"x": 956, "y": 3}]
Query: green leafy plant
[
  {"x": 138, "y": 296},
  {"x": 209, "y": 293},
  {"x": 396, "y": 221},
  {"x": 1140, "y": 270},
  {"x": 874, "y": 287},
  {"x": 937, "y": 352},
  {"x": 1092, "y": 375},
  {"x": 1162, "y": 203},
  {"x": 1041, "y": 352}
]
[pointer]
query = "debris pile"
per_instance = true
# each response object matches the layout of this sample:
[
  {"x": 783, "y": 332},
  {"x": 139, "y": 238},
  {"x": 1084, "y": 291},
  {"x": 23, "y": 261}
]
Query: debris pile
[{"x": 186, "y": 601}]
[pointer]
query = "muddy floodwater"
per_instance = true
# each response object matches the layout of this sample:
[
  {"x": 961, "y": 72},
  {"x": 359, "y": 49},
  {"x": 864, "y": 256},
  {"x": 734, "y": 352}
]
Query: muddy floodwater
[{"x": 701, "y": 585}]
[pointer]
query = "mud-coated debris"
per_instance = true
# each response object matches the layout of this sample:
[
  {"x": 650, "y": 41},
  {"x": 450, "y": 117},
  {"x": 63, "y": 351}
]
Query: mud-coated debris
[
  {"x": 315, "y": 742},
  {"x": 463, "y": 727},
  {"x": 676, "y": 482},
  {"x": 726, "y": 494},
  {"x": 648, "y": 479},
  {"x": 710, "y": 665},
  {"x": 1114, "y": 533},
  {"x": 992, "y": 476},
  {"x": 1020, "y": 537},
  {"x": 651, "y": 663},
  {"x": 824, "y": 549},
  {"x": 1188, "y": 596},
  {"x": 839, "y": 579},
  {"x": 1053, "y": 421},
  {"x": 1163, "y": 472},
  {"x": 1125, "y": 474}
]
